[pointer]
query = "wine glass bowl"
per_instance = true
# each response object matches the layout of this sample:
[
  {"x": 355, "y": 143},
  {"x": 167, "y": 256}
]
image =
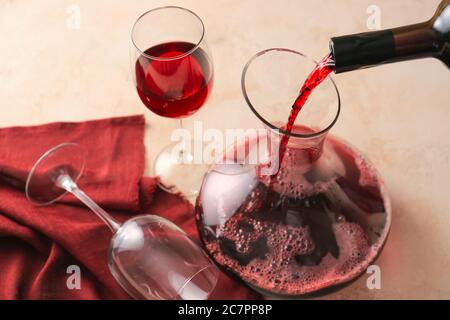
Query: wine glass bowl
[
  {"x": 173, "y": 79},
  {"x": 171, "y": 63},
  {"x": 144, "y": 245}
]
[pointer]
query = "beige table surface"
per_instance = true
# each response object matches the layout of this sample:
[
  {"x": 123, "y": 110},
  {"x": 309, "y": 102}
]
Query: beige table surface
[{"x": 398, "y": 115}]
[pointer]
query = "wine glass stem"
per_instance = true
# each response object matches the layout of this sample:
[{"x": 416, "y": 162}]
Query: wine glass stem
[
  {"x": 184, "y": 155},
  {"x": 65, "y": 181},
  {"x": 183, "y": 143}
]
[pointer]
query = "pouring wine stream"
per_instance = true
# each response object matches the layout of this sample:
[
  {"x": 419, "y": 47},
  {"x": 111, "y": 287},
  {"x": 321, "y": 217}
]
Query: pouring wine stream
[{"x": 315, "y": 78}]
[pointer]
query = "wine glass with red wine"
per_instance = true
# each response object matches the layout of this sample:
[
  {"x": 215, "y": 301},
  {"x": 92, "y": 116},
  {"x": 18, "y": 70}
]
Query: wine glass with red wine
[{"x": 173, "y": 72}]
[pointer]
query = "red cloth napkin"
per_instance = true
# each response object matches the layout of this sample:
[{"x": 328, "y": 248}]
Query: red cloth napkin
[{"x": 38, "y": 244}]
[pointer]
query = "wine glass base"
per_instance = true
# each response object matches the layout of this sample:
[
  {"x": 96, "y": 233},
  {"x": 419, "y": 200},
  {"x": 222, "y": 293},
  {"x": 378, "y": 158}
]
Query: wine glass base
[
  {"x": 179, "y": 169},
  {"x": 41, "y": 187}
]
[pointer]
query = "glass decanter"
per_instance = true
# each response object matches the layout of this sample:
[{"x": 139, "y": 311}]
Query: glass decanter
[{"x": 313, "y": 221}]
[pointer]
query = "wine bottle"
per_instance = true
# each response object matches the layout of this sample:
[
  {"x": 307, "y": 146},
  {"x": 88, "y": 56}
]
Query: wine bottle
[{"x": 422, "y": 40}]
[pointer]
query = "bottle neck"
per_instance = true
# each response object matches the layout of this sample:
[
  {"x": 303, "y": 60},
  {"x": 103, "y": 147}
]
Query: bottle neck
[
  {"x": 422, "y": 40},
  {"x": 415, "y": 42}
]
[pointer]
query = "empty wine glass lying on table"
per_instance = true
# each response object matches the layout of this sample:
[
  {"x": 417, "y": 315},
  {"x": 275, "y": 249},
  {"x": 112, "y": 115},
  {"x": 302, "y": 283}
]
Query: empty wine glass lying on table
[{"x": 149, "y": 256}]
